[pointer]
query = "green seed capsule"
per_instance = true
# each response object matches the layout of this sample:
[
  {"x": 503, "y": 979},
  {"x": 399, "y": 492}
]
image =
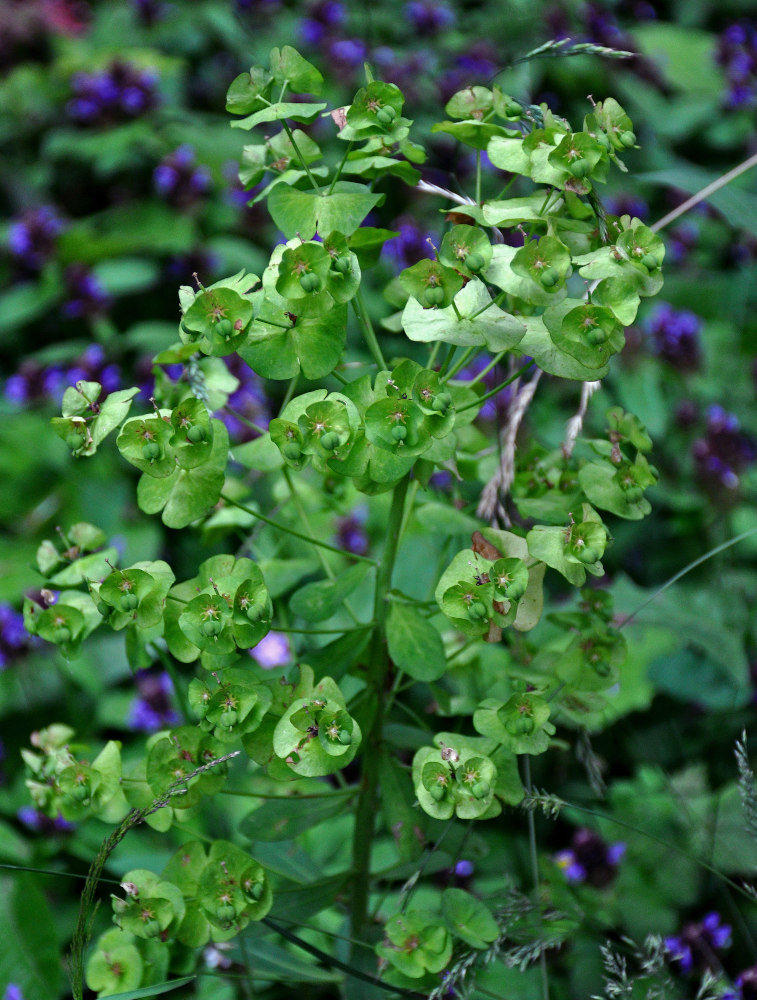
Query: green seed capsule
[
  {"x": 129, "y": 602},
  {"x": 196, "y": 434},
  {"x": 477, "y": 611},
  {"x": 62, "y": 634},
  {"x": 434, "y": 295},
  {"x": 441, "y": 402},
  {"x": 229, "y": 718},
  {"x": 633, "y": 493},
  {"x": 474, "y": 262},
  {"x": 549, "y": 277},
  {"x": 650, "y": 262},
  {"x": 399, "y": 433},
  {"x": 330, "y": 440},
  {"x": 255, "y": 891},
  {"x": 480, "y": 790},
  {"x": 342, "y": 265},
  {"x": 627, "y": 139},
  {"x": 386, "y": 115},
  {"x": 513, "y": 109},
  {"x": 437, "y": 792},
  {"x": 596, "y": 336},
  {"x": 588, "y": 555},
  {"x": 292, "y": 451},
  {"x": 224, "y": 328},
  {"x": 521, "y": 725},
  {"x": 580, "y": 167},
  {"x": 80, "y": 792},
  {"x": 254, "y": 613},
  {"x": 151, "y": 451},
  {"x": 514, "y": 591},
  {"x": 345, "y": 737},
  {"x": 211, "y": 627},
  {"x": 151, "y": 928},
  {"x": 602, "y": 668},
  {"x": 225, "y": 913},
  {"x": 310, "y": 282},
  {"x": 603, "y": 140},
  {"x": 74, "y": 441},
  {"x": 105, "y": 609}
]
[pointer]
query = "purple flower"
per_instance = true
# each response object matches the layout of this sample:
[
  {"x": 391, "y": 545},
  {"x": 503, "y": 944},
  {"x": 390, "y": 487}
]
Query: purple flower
[
  {"x": 736, "y": 52},
  {"x": 40, "y": 823},
  {"x": 695, "y": 946},
  {"x": 86, "y": 296},
  {"x": 428, "y": 17},
  {"x": 15, "y": 641},
  {"x": 627, "y": 204},
  {"x": 464, "y": 869},
  {"x": 119, "y": 93},
  {"x": 179, "y": 180},
  {"x": 410, "y": 246},
  {"x": 272, "y": 651},
  {"x": 152, "y": 710},
  {"x": 248, "y": 401},
  {"x": 32, "y": 238},
  {"x": 746, "y": 986},
  {"x": 13, "y": 992},
  {"x": 725, "y": 451},
  {"x": 590, "y": 859},
  {"x": 349, "y": 52},
  {"x": 351, "y": 535},
  {"x": 676, "y": 336}
]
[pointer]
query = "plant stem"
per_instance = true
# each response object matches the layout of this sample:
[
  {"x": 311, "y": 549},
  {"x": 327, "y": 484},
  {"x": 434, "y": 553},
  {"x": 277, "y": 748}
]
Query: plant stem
[
  {"x": 460, "y": 363},
  {"x": 339, "y": 169},
  {"x": 535, "y": 872},
  {"x": 445, "y": 364},
  {"x": 290, "y": 392},
  {"x": 485, "y": 371},
  {"x": 503, "y": 385},
  {"x": 181, "y": 695},
  {"x": 478, "y": 176},
  {"x": 319, "y": 552},
  {"x": 301, "y": 158},
  {"x": 290, "y": 531},
  {"x": 706, "y": 191},
  {"x": 378, "y": 665},
  {"x": 368, "y": 332}
]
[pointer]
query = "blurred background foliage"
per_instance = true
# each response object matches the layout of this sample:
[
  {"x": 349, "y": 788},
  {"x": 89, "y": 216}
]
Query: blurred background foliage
[{"x": 119, "y": 181}]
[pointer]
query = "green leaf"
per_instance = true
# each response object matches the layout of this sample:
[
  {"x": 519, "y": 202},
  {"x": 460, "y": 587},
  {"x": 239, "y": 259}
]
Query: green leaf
[
  {"x": 468, "y": 918},
  {"x": 286, "y": 818},
  {"x": 280, "y": 112},
  {"x": 30, "y": 955},
  {"x": 493, "y": 328},
  {"x": 153, "y": 991},
  {"x": 313, "y": 345},
  {"x": 316, "y": 602},
  {"x": 304, "y": 213},
  {"x": 289, "y": 68},
  {"x": 187, "y": 494},
  {"x": 473, "y": 133},
  {"x": 415, "y": 645},
  {"x": 550, "y": 358}
]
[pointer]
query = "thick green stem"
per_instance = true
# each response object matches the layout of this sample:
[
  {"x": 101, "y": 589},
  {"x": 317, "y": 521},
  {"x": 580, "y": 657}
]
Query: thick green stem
[
  {"x": 535, "y": 872},
  {"x": 378, "y": 665},
  {"x": 301, "y": 158}
]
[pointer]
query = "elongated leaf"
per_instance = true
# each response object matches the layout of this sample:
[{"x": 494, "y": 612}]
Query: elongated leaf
[
  {"x": 414, "y": 644},
  {"x": 285, "y": 818},
  {"x": 315, "y": 602},
  {"x": 153, "y": 991},
  {"x": 29, "y": 955}
]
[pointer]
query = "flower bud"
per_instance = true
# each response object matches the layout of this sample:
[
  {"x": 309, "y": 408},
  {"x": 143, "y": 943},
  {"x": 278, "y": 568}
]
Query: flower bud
[{"x": 627, "y": 139}]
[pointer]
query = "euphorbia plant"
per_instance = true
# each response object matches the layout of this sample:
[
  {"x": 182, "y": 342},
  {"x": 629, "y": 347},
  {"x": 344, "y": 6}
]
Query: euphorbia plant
[{"x": 541, "y": 282}]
